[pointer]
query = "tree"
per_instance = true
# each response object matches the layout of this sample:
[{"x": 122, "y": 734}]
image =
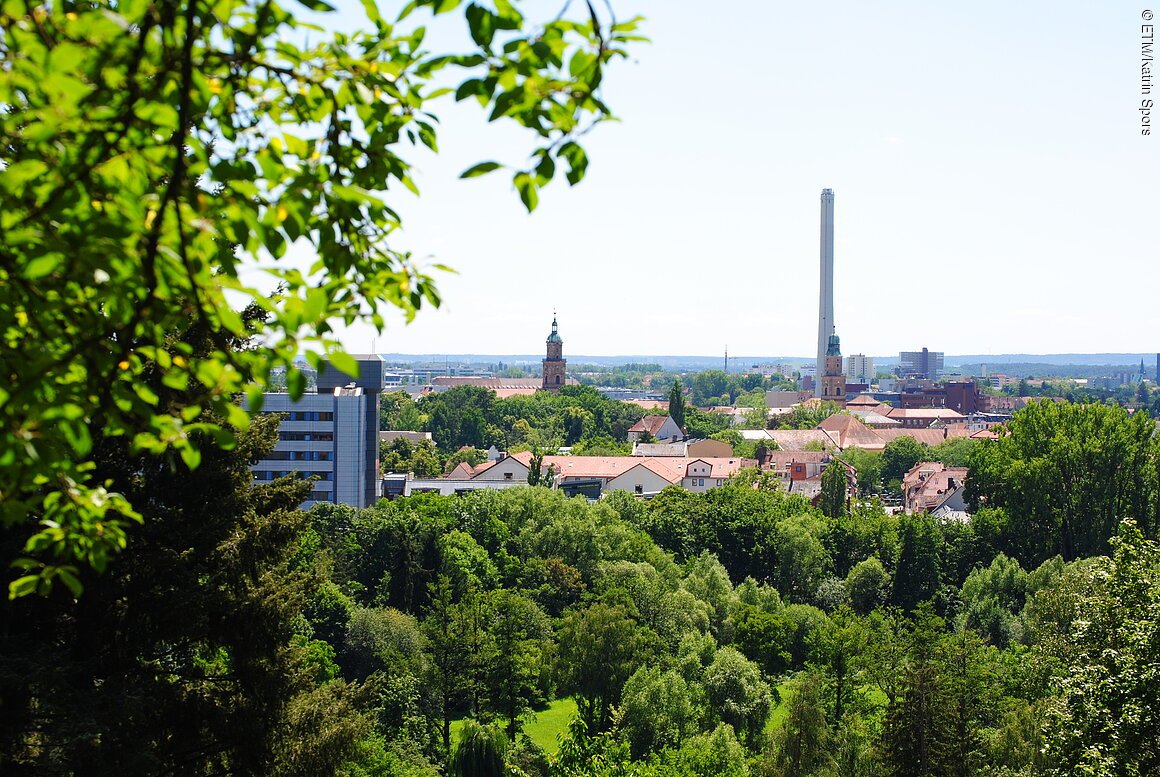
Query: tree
[
  {"x": 538, "y": 474},
  {"x": 801, "y": 745},
  {"x": 917, "y": 577},
  {"x": 1065, "y": 476},
  {"x": 600, "y": 648},
  {"x": 1105, "y": 720},
  {"x": 916, "y": 730},
  {"x": 899, "y": 455},
  {"x": 225, "y": 132},
  {"x": 517, "y": 632},
  {"x": 677, "y": 404},
  {"x": 737, "y": 694},
  {"x": 480, "y": 752},
  {"x": 180, "y": 657},
  {"x": 449, "y": 646},
  {"x": 656, "y": 711},
  {"x": 834, "y": 490}
]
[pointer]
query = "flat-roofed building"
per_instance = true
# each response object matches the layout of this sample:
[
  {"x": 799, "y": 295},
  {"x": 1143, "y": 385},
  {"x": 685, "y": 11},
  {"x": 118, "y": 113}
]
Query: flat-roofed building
[{"x": 331, "y": 435}]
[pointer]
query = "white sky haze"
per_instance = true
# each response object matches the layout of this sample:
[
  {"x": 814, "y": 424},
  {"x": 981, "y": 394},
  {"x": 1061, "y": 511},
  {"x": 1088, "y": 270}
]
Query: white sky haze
[{"x": 993, "y": 193}]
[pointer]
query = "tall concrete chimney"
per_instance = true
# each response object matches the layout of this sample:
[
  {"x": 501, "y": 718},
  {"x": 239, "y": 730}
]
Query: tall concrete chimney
[{"x": 826, "y": 286}]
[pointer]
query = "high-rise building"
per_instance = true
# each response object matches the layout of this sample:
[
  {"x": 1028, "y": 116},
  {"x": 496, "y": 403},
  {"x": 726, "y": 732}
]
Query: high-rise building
[
  {"x": 826, "y": 284},
  {"x": 331, "y": 434},
  {"x": 554, "y": 364},
  {"x": 859, "y": 368},
  {"x": 920, "y": 364}
]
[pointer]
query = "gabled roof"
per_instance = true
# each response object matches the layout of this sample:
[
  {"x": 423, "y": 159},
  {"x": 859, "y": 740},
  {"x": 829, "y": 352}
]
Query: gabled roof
[
  {"x": 650, "y": 423},
  {"x": 926, "y": 485},
  {"x": 851, "y": 432},
  {"x": 798, "y": 439},
  {"x": 462, "y": 471},
  {"x": 720, "y": 467},
  {"x": 863, "y": 401}
]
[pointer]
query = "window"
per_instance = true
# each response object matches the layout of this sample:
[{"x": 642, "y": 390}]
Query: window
[
  {"x": 507, "y": 476},
  {"x": 639, "y": 488}
]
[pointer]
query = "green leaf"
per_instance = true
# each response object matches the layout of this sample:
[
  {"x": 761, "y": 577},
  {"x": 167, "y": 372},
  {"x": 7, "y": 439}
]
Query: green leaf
[
  {"x": 42, "y": 266},
  {"x": 372, "y": 9},
  {"x": 19, "y": 173},
  {"x": 68, "y": 576},
  {"x": 526, "y": 186},
  {"x": 483, "y": 168},
  {"x": 342, "y": 360},
  {"x": 23, "y": 586},
  {"x": 481, "y": 22},
  {"x": 577, "y": 161},
  {"x": 190, "y": 455},
  {"x": 318, "y": 5}
]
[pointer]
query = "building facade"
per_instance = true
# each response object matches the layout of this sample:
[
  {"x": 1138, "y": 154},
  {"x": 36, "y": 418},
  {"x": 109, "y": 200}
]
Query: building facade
[
  {"x": 920, "y": 364},
  {"x": 331, "y": 435},
  {"x": 859, "y": 368}
]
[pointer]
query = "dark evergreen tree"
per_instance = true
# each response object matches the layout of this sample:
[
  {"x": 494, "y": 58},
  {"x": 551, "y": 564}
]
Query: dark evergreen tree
[
  {"x": 834, "y": 481},
  {"x": 677, "y": 404},
  {"x": 917, "y": 575},
  {"x": 916, "y": 731},
  {"x": 182, "y": 656}
]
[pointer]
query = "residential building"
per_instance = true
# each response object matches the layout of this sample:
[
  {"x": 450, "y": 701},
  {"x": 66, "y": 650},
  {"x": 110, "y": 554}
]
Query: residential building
[
  {"x": 661, "y": 428},
  {"x": 331, "y": 435},
  {"x": 921, "y": 364},
  {"x": 591, "y": 475},
  {"x": 859, "y": 368},
  {"x": 931, "y": 485}
]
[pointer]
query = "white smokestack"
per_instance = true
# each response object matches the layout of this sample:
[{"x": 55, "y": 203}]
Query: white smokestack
[{"x": 826, "y": 287}]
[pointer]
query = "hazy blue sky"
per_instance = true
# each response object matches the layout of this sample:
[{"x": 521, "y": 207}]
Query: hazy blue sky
[{"x": 993, "y": 192}]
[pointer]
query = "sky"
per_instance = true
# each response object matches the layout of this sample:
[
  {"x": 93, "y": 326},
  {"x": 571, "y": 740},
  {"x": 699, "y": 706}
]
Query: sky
[{"x": 993, "y": 191}]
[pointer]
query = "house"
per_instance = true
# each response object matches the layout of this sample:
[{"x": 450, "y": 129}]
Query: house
[
  {"x": 658, "y": 427},
  {"x": 415, "y": 438},
  {"x": 851, "y": 432},
  {"x": 590, "y": 474},
  {"x": 931, "y": 485},
  {"x": 803, "y": 439},
  {"x": 702, "y": 474},
  {"x": 688, "y": 448},
  {"x": 923, "y": 417}
]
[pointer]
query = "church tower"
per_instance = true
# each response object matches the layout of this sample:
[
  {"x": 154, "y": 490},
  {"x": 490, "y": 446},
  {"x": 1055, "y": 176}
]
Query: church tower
[
  {"x": 833, "y": 380},
  {"x": 554, "y": 363}
]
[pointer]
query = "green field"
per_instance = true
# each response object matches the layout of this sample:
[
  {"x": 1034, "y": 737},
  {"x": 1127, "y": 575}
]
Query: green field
[{"x": 544, "y": 727}]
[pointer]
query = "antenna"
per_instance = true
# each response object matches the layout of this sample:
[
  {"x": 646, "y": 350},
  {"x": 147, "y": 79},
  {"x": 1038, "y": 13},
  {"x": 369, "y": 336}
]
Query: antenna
[{"x": 726, "y": 359}]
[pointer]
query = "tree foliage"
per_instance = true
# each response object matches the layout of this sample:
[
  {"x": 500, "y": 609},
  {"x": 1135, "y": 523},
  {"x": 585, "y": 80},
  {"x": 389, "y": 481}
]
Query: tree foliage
[
  {"x": 156, "y": 150},
  {"x": 1065, "y": 475}
]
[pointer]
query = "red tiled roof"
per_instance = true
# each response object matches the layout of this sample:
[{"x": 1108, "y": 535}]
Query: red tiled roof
[
  {"x": 650, "y": 423},
  {"x": 797, "y": 439},
  {"x": 927, "y": 483},
  {"x": 851, "y": 432}
]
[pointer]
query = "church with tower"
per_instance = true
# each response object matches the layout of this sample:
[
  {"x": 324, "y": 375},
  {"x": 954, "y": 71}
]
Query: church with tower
[
  {"x": 554, "y": 362},
  {"x": 833, "y": 378}
]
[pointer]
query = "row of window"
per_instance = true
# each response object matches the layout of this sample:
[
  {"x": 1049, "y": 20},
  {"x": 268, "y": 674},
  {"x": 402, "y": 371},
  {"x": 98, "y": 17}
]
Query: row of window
[
  {"x": 274, "y": 475},
  {"x": 306, "y": 436},
  {"x": 299, "y": 456},
  {"x": 309, "y": 415}
]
